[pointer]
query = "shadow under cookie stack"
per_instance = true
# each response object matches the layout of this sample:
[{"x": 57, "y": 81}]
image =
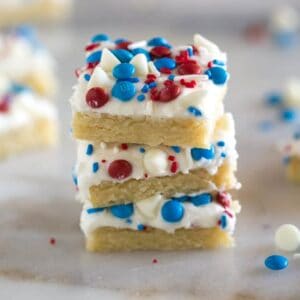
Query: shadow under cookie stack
[{"x": 156, "y": 151}]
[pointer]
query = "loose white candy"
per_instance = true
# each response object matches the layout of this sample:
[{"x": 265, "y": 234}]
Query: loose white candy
[
  {"x": 99, "y": 78},
  {"x": 291, "y": 93},
  {"x": 108, "y": 60},
  {"x": 141, "y": 64},
  {"x": 287, "y": 237},
  {"x": 156, "y": 162},
  {"x": 285, "y": 18}
]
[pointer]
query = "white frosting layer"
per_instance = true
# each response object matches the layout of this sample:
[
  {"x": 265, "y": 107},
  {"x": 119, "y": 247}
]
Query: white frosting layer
[
  {"x": 28, "y": 3},
  {"x": 148, "y": 213},
  {"x": 25, "y": 108},
  {"x": 149, "y": 161},
  {"x": 205, "y": 96}
]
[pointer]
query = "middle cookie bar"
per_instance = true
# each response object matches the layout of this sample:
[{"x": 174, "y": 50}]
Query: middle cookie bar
[{"x": 110, "y": 174}]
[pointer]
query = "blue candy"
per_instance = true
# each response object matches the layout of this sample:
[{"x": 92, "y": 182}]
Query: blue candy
[
  {"x": 18, "y": 88},
  {"x": 140, "y": 227},
  {"x": 123, "y": 90},
  {"x": 95, "y": 167},
  {"x": 217, "y": 74},
  {"x": 194, "y": 111},
  {"x": 123, "y": 71},
  {"x": 94, "y": 210},
  {"x": 220, "y": 143},
  {"x": 171, "y": 77},
  {"x": 176, "y": 149},
  {"x": 122, "y": 211},
  {"x": 182, "y": 198},
  {"x": 89, "y": 149},
  {"x": 101, "y": 37},
  {"x": 141, "y": 98},
  {"x": 87, "y": 77},
  {"x": 198, "y": 153},
  {"x": 75, "y": 179},
  {"x": 223, "y": 221},
  {"x": 218, "y": 62},
  {"x": 94, "y": 57},
  {"x": 276, "y": 262},
  {"x": 201, "y": 199},
  {"x": 165, "y": 62},
  {"x": 172, "y": 211},
  {"x": 273, "y": 99},
  {"x": 142, "y": 150},
  {"x": 123, "y": 55},
  {"x": 288, "y": 115},
  {"x": 141, "y": 50},
  {"x": 120, "y": 40},
  {"x": 158, "y": 41}
]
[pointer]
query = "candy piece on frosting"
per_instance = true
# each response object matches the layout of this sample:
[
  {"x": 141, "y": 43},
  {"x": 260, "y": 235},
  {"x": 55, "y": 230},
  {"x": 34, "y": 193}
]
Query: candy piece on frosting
[
  {"x": 94, "y": 57},
  {"x": 156, "y": 162},
  {"x": 122, "y": 211},
  {"x": 158, "y": 41},
  {"x": 120, "y": 169},
  {"x": 172, "y": 211},
  {"x": 124, "y": 90},
  {"x": 101, "y": 37},
  {"x": 200, "y": 41},
  {"x": 198, "y": 153},
  {"x": 123, "y": 71},
  {"x": 189, "y": 68},
  {"x": 96, "y": 97},
  {"x": 287, "y": 237},
  {"x": 201, "y": 199},
  {"x": 99, "y": 78},
  {"x": 165, "y": 62},
  {"x": 217, "y": 74},
  {"x": 141, "y": 64},
  {"x": 276, "y": 262},
  {"x": 149, "y": 207},
  {"x": 160, "y": 51},
  {"x": 141, "y": 51},
  {"x": 108, "y": 60},
  {"x": 123, "y": 55}
]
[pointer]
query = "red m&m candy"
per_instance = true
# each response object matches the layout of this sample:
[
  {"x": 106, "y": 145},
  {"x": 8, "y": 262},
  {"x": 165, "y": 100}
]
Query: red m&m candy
[
  {"x": 160, "y": 51},
  {"x": 96, "y": 97},
  {"x": 120, "y": 169},
  {"x": 190, "y": 67},
  {"x": 168, "y": 93}
]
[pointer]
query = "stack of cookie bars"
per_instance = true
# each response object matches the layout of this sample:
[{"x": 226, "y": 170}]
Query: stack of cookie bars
[{"x": 156, "y": 151}]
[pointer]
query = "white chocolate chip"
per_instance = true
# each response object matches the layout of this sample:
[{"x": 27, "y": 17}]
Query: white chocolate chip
[
  {"x": 141, "y": 64},
  {"x": 99, "y": 78},
  {"x": 287, "y": 237},
  {"x": 149, "y": 207},
  {"x": 153, "y": 69},
  {"x": 108, "y": 60},
  {"x": 156, "y": 162}
]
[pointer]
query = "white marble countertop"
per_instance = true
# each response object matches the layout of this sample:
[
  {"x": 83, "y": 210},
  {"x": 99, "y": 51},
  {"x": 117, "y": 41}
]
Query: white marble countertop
[{"x": 37, "y": 203}]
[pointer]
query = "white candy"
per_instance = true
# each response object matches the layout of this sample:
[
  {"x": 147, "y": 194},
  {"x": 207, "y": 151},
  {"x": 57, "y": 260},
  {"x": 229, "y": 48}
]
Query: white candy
[
  {"x": 108, "y": 60},
  {"x": 99, "y": 78},
  {"x": 287, "y": 237},
  {"x": 149, "y": 207},
  {"x": 291, "y": 94},
  {"x": 156, "y": 162},
  {"x": 285, "y": 18},
  {"x": 153, "y": 69},
  {"x": 141, "y": 64},
  {"x": 200, "y": 41}
]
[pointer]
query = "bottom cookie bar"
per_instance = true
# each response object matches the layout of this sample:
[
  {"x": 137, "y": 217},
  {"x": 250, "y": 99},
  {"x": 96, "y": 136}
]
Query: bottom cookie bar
[
  {"x": 42, "y": 132},
  {"x": 112, "y": 239},
  {"x": 293, "y": 169}
]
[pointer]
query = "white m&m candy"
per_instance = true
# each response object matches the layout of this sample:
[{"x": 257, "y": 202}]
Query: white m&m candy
[
  {"x": 287, "y": 237},
  {"x": 156, "y": 162}
]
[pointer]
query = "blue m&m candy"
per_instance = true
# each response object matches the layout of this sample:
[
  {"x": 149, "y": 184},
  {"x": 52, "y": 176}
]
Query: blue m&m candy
[
  {"x": 288, "y": 115},
  {"x": 123, "y": 71},
  {"x": 217, "y": 74},
  {"x": 94, "y": 57},
  {"x": 172, "y": 211},
  {"x": 201, "y": 199},
  {"x": 123, "y": 90},
  {"x": 141, "y": 50},
  {"x": 276, "y": 262},
  {"x": 122, "y": 211},
  {"x": 165, "y": 62},
  {"x": 101, "y": 37},
  {"x": 123, "y": 55},
  {"x": 158, "y": 41},
  {"x": 198, "y": 153}
]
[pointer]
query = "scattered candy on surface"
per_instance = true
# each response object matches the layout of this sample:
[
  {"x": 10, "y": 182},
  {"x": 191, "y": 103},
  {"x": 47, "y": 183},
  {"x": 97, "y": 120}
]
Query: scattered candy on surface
[
  {"x": 287, "y": 237},
  {"x": 276, "y": 262}
]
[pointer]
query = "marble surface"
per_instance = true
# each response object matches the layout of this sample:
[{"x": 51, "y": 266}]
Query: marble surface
[{"x": 37, "y": 203}]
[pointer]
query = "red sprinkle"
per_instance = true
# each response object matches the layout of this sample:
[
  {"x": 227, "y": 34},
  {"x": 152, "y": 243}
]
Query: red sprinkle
[
  {"x": 123, "y": 45},
  {"x": 154, "y": 261},
  {"x": 171, "y": 157},
  {"x": 165, "y": 70},
  {"x": 189, "y": 67},
  {"x": 188, "y": 84},
  {"x": 146, "y": 175},
  {"x": 160, "y": 51},
  {"x": 4, "y": 106},
  {"x": 96, "y": 97},
  {"x": 150, "y": 78},
  {"x": 182, "y": 57},
  {"x": 91, "y": 47},
  {"x": 223, "y": 199},
  {"x": 195, "y": 50},
  {"x": 124, "y": 146},
  {"x": 120, "y": 169},
  {"x": 103, "y": 160},
  {"x": 174, "y": 167},
  {"x": 228, "y": 213},
  {"x": 52, "y": 241},
  {"x": 210, "y": 64}
]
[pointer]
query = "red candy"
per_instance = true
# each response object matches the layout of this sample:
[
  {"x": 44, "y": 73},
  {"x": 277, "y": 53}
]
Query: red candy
[
  {"x": 168, "y": 93},
  {"x": 171, "y": 157},
  {"x": 188, "y": 84},
  {"x": 123, "y": 45},
  {"x": 222, "y": 199},
  {"x": 160, "y": 51},
  {"x": 91, "y": 47},
  {"x": 124, "y": 146},
  {"x": 174, "y": 167},
  {"x": 120, "y": 169},
  {"x": 182, "y": 57},
  {"x": 52, "y": 241},
  {"x": 96, "y": 97},
  {"x": 150, "y": 78},
  {"x": 4, "y": 106},
  {"x": 189, "y": 67},
  {"x": 165, "y": 71}
]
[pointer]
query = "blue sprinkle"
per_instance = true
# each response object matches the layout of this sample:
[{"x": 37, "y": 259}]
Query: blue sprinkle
[
  {"x": 142, "y": 150},
  {"x": 198, "y": 153},
  {"x": 152, "y": 85},
  {"x": 297, "y": 135},
  {"x": 223, "y": 155},
  {"x": 94, "y": 57},
  {"x": 18, "y": 88},
  {"x": 286, "y": 160},
  {"x": 158, "y": 41},
  {"x": 218, "y": 62},
  {"x": 223, "y": 221},
  {"x": 101, "y": 37},
  {"x": 217, "y": 74},
  {"x": 140, "y": 227},
  {"x": 141, "y": 50},
  {"x": 120, "y": 40},
  {"x": 288, "y": 115},
  {"x": 87, "y": 77},
  {"x": 141, "y": 98},
  {"x": 201, "y": 199},
  {"x": 181, "y": 198},
  {"x": 165, "y": 62},
  {"x": 190, "y": 51},
  {"x": 89, "y": 149},
  {"x": 176, "y": 149},
  {"x": 123, "y": 55},
  {"x": 145, "y": 88},
  {"x": 172, "y": 211},
  {"x": 194, "y": 111},
  {"x": 95, "y": 210},
  {"x": 95, "y": 167},
  {"x": 276, "y": 262},
  {"x": 171, "y": 77},
  {"x": 220, "y": 143},
  {"x": 123, "y": 90},
  {"x": 274, "y": 99},
  {"x": 129, "y": 221},
  {"x": 123, "y": 71},
  {"x": 122, "y": 211},
  {"x": 75, "y": 179}
]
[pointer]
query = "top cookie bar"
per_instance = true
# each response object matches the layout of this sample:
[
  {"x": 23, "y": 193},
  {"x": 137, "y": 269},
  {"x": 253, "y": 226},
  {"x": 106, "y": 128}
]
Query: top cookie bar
[{"x": 149, "y": 92}]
